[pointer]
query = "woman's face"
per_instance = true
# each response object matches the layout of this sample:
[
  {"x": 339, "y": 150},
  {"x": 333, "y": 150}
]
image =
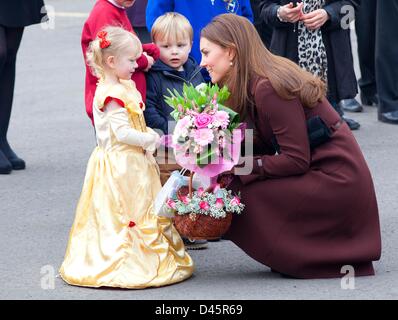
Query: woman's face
[{"x": 216, "y": 59}]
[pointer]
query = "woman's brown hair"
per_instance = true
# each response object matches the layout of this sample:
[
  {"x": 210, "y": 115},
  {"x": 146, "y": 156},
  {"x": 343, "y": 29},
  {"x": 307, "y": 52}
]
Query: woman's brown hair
[{"x": 252, "y": 58}]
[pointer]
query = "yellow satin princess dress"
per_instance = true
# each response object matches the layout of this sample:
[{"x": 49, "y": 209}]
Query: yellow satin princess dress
[{"x": 116, "y": 240}]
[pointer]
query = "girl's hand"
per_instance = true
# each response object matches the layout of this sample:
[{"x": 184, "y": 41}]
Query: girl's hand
[
  {"x": 151, "y": 61},
  {"x": 291, "y": 14},
  {"x": 154, "y": 141},
  {"x": 315, "y": 19}
]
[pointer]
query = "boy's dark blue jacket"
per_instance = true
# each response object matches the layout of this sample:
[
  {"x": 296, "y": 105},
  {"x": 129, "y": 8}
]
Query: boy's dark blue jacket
[{"x": 160, "y": 78}]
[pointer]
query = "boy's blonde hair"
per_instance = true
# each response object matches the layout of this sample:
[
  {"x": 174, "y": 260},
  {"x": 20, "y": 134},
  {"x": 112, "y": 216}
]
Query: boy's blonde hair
[
  {"x": 119, "y": 39},
  {"x": 171, "y": 26}
]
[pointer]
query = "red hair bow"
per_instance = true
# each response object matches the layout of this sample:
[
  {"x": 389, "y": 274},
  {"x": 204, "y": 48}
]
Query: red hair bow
[{"x": 103, "y": 43}]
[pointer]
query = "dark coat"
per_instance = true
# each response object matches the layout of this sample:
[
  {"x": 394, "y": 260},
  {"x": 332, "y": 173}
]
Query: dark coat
[
  {"x": 342, "y": 83},
  {"x": 160, "y": 78},
  {"x": 308, "y": 213},
  {"x": 21, "y": 13}
]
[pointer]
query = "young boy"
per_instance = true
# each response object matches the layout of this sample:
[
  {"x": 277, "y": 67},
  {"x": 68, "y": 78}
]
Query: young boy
[{"x": 173, "y": 34}]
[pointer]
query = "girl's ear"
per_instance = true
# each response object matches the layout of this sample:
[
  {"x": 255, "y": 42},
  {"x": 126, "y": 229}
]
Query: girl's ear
[{"x": 110, "y": 61}]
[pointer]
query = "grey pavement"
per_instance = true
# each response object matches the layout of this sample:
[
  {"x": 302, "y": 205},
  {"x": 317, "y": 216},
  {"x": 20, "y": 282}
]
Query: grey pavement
[{"x": 50, "y": 130}]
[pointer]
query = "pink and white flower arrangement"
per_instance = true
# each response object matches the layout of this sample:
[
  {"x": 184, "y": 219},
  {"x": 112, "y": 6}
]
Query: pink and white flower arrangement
[
  {"x": 207, "y": 137},
  {"x": 216, "y": 204}
]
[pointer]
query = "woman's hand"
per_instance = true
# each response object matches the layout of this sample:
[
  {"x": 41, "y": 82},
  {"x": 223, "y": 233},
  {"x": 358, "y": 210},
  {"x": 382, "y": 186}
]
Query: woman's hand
[
  {"x": 315, "y": 19},
  {"x": 291, "y": 14}
]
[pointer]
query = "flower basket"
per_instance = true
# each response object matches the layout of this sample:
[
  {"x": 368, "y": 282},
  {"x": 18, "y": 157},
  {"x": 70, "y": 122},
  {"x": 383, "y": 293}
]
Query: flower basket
[
  {"x": 208, "y": 219},
  {"x": 197, "y": 226}
]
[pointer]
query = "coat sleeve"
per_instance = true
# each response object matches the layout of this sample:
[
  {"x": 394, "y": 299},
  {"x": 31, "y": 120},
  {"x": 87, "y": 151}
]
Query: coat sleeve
[
  {"x": 336, "y": 14},
  {"x": 150, "y": 49},
  {"x": 153, "y": 117},
  {"x": 289, "y": 126},
  {"x": 268, "y": 9},
  {"x": 155, "y": 8}
]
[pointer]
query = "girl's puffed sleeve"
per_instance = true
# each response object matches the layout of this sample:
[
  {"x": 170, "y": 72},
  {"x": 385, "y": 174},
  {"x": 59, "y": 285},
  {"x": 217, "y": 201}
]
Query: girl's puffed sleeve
[{"x": 118, "y": 108}]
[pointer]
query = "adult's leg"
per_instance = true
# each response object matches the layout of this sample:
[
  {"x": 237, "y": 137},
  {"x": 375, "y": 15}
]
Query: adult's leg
[
  {"x": 10, "y": 40},
  {"x": 365, "y": 26},
  {"x": 5, "y": 165},
  {"x": 387, "y": 60}
]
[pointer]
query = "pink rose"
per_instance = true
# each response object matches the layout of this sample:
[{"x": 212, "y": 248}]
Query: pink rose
[
  {"x": 171, "y": 204},
  {"x": 235, "y": 201},
  {"x": 202, "y": 120},
  {"x": 204, "y": 205},
  {"x": 219, "y": 203},
  {"x": 185, "y": 199},
  {"x": 203, "y": 136}
]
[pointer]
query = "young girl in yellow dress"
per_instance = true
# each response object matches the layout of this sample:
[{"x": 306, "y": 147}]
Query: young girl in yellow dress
[{"x": 116, "y": 240}]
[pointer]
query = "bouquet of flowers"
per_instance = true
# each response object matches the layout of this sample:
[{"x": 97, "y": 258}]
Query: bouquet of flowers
[
  {"x": 207, "y": 135},
  {"x": 206, "y": 141}
]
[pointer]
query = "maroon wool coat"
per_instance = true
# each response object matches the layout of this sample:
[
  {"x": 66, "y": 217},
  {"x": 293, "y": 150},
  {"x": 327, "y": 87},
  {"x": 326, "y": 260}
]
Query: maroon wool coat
[{"x": 308, "y": 213}]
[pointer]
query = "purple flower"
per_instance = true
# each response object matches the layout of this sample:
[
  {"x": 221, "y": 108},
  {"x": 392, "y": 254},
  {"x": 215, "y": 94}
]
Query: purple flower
[
  {"x": 203, "y": 136},
  {"x": 202, "y": 120}
]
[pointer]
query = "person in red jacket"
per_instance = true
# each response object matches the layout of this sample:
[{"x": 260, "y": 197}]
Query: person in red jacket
[{"x": 113, "y": 12}]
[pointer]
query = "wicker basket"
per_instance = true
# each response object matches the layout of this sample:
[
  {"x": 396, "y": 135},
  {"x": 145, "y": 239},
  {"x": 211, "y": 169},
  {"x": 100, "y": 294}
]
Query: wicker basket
[{"x": 199, "y": 226}]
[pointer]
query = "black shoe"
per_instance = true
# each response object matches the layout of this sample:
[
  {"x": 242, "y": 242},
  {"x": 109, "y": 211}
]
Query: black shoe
[
  {"x": 194, "y": 244},
  {"x": 388, "y": 117},
  {"x": 352, "y": 123},
  {"x": 16, "y": 162},
  {"x": 372, "y": 100},
  {"x": 350, "y": 105},
  {"x": 5, "y": 165}
]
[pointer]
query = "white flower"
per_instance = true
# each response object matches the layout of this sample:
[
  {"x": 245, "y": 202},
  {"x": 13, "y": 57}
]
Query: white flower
[{"x": 201, "y": 87}]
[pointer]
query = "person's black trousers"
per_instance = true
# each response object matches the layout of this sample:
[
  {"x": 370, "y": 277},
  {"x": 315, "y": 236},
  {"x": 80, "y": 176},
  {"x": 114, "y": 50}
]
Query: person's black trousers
[
  {"x": 10, "y": 39},
  {"x": 365, "y": 26},
  {"x": 387, "y": 55}
]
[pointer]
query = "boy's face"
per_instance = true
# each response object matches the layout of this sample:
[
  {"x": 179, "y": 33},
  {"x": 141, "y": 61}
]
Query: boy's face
[{"x": 174, "y": 53}]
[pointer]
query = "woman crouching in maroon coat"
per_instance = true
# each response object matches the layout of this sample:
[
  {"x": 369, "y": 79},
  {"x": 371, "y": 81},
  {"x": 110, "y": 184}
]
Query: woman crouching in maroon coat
[{"x": 311, "y": 207}]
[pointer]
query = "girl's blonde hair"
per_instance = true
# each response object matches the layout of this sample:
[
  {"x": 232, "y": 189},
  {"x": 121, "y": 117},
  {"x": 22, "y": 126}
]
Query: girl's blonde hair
[
  {"x": 118, "y": 39},
  {"x": 253, "y": 59},
  {"x": 171, "y": 26}
]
